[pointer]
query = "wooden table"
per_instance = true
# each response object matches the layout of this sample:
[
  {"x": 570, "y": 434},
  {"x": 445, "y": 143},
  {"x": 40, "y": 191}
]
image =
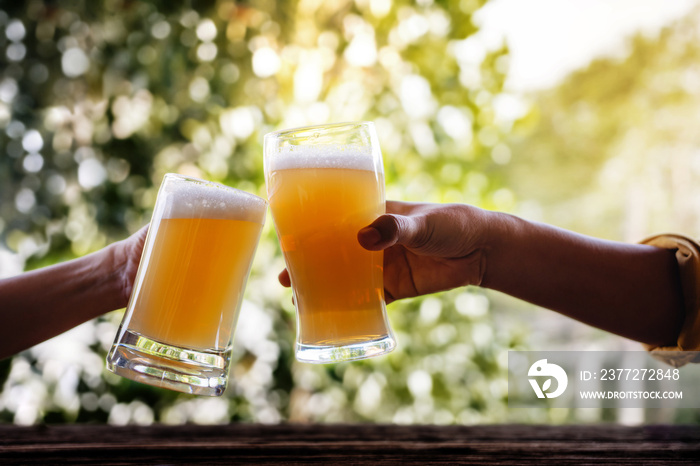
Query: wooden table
[{"x": 350, "y": 444}]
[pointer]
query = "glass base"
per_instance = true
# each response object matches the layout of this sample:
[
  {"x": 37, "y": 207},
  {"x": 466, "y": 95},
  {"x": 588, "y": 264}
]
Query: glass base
[
  {"x": 330, "y": 354},
  {"x": 154, "y": 363}
]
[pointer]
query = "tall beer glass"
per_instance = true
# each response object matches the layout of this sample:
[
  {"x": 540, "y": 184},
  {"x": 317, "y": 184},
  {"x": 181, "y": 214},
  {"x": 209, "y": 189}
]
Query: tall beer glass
[
  {"x": 324, "y": 184},
  {"x": 178, "y": 328}
]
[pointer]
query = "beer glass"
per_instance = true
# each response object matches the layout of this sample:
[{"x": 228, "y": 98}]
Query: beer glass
[
  {"x": 324, "y": 183},
  {"x": 178, "y": 328}
]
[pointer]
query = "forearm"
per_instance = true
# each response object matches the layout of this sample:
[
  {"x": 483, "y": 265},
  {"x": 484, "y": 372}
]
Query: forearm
[
  {"x": 628, "y": 289},
  {"x": 40, "y": 304}
]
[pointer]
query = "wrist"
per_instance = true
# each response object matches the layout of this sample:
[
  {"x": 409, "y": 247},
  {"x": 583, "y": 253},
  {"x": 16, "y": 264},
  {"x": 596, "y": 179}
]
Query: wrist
[
  {"x": 112, "y": 262},
  {"x": 483, "y": 235},
  {"x": 501, "y": 236}
]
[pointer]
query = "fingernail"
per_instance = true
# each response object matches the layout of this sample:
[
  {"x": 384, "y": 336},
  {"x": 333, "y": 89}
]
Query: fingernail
[{"x": 370, "y": 236}]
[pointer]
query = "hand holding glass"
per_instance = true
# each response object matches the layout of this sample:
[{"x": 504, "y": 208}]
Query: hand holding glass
[{"x": 178, "y": 328}]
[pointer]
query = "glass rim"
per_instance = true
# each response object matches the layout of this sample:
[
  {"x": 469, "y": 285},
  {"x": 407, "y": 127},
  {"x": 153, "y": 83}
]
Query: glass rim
[
  {"x": 292, "y": 132},
  {"x": 211, "y": 184}
]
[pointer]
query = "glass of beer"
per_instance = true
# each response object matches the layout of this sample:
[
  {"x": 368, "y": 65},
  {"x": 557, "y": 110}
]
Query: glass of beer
[
  {"x": 324, "y": 184},
  {"x": 178, "y": 328}
]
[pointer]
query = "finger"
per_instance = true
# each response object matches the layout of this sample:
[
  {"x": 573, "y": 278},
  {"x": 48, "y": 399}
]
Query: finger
[
  {"x": 141, "y": 235},
  {"x": 390, "y": 229},
  {"x": 401, "y": 207},
  {"x": 370, "y": 238},
  {"x": 284, "y": 279}
]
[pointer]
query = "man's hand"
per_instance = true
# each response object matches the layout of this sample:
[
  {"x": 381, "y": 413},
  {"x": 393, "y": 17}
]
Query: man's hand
[
  {"x": 427, "y": 247},
  {"x": 632, "y": 290}
]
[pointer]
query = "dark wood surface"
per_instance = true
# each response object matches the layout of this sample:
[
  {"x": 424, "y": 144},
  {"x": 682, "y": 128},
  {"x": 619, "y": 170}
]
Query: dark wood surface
[{"x": 350, "y": 444}]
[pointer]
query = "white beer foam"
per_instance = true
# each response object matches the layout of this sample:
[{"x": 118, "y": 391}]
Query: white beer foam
[
  {"x": 192, "y": 198},
  {"x": 324, "y": 156}
]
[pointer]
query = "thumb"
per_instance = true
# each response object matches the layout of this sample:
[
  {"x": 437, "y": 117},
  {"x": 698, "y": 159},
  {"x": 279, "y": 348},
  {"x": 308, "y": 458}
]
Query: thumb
[{"x": 390, "y": 229}]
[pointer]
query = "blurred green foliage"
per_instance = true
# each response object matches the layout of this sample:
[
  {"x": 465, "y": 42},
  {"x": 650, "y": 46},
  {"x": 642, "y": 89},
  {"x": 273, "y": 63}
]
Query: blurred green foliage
[
  {"x": 98, "y": 100},
  {"x": 612, "y": 151}
]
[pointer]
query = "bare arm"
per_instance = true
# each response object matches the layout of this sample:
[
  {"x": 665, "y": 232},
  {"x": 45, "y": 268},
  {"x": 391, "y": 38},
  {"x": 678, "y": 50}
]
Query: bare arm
[
  {"x": 43, "y": 303},
  {"x": 632, "y": 290},
  {"x": 628, "y": 289}
]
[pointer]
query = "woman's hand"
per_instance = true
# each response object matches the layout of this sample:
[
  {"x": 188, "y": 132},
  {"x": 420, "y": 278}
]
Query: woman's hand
[
  {"x": 43, "y": 303},
  {"x": 126, "y": 256}
]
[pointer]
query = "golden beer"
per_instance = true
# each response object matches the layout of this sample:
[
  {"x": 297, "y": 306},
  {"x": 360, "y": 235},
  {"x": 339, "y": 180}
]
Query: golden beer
[
  {"x": 178, "y": 328},
  {"x": 195, "y": 278},
  {"x": 320, "y": 196}
]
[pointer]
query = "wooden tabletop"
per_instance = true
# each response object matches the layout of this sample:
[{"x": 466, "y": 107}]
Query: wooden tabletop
[{"x": 350, "y": 444}]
